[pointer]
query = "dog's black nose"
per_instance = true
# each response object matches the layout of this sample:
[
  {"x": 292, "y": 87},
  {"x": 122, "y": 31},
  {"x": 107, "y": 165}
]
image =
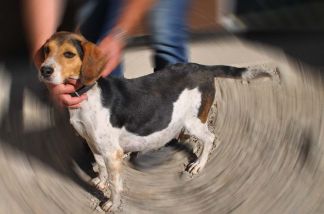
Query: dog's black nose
[{"x": 46, "y": 71}]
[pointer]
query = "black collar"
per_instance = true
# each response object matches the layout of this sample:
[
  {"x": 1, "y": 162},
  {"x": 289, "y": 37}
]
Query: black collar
[{"x": 82, "y": 90}]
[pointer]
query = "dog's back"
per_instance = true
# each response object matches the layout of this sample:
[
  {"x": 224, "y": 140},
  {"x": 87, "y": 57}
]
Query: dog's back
[{"x": 145, "y": 105}]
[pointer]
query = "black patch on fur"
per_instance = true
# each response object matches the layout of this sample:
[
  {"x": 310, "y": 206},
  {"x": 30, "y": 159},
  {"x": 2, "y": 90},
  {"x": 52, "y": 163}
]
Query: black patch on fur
[
  {"x": 144, "y": 105},
  {"x": 77, "y": 44}
]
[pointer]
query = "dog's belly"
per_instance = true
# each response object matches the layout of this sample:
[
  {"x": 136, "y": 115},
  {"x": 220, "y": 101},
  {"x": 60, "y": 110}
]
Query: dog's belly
[{"x": 133, "y": 143}]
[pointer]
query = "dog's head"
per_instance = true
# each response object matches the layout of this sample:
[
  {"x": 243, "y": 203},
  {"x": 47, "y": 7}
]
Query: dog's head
[{"x": 70, "y": 56}]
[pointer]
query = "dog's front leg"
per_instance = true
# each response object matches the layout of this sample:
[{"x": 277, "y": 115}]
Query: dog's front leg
[
  {"x": 101, "y": 181},
  {"x": 113, "y": 160}
]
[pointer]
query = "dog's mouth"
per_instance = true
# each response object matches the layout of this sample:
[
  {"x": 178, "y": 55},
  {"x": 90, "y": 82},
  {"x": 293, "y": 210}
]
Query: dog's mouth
[
  {"x": 53, "y": 79},
  {"x": 44, "y": 79}
]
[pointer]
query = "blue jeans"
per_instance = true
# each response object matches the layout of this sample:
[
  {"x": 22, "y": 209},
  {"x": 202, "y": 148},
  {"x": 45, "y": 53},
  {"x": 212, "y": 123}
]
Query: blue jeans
[
  {"x": 167, "y": 22},
  {"x": 168, "y": 26},
  {"x": 100, "y": 18}
]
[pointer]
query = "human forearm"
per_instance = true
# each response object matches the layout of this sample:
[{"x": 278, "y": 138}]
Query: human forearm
[{"x": 41, "y": 17}]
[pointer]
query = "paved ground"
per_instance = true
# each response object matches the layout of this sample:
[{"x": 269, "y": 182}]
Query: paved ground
[{"x": 269, "y": 157}]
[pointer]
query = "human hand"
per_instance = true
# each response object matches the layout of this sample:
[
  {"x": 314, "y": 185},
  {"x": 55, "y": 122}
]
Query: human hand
[
  {"x": 112, "y": 46},
  {"x": 61, "y": 94}
]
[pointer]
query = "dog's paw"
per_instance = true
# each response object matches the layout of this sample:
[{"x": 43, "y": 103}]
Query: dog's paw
[
  {"x": 99, "y": 184},
  {"x": 110, "y": 207},
  {"x": 195, "y": 167},
  {"x": 107, "y": 206}
]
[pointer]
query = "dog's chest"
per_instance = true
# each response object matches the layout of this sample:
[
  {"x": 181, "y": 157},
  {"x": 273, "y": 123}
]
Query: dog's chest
[
  {"x": 91, "y": 121},
  {"x": 87, "y": 120}
]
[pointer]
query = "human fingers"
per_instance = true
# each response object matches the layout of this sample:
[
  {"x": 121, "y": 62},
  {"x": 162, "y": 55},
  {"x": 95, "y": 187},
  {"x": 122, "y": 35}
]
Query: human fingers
[
  {"x": 75, "y": 106},
  {"x": 112, "y": 48},
  {"x": 110, "y": 66},
  {"x": 67, "y": 100},
  {"x": 62, "y": 89}
]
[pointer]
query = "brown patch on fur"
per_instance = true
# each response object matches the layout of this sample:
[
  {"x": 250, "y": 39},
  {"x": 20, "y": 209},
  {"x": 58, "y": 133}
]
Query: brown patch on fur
[
  {"x": 116, "y": 165},
  {"x": 207, "y": 100},
  {"x": 183, "y": 137},
  {"x": 119, "y": 154},
  {"x": 71, "y": 67}
]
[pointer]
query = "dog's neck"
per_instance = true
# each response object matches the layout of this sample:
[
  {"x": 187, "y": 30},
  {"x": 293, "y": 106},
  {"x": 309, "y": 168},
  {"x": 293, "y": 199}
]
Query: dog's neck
[
  {"x": 91, "y": 104},
  {"x": 83, "y": 89}
]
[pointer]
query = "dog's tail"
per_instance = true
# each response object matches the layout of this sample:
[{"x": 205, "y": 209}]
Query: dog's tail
[{"x": 244, "y": 73}]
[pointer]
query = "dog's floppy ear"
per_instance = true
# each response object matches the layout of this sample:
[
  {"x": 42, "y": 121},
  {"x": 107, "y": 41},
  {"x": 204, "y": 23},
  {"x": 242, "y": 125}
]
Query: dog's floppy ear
[
  {"x": 93, "y": 63},
  {"x": 39, "y": 57}
]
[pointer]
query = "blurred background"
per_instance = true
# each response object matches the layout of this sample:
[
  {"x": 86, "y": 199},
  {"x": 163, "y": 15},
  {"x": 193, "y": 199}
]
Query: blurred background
[
  {"x": 280, "y": 16},
  {"x": 270, "y": 155}
]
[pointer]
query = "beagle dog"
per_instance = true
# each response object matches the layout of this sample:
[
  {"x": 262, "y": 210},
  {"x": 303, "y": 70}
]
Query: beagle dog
[{"x": 129, "y": 115}]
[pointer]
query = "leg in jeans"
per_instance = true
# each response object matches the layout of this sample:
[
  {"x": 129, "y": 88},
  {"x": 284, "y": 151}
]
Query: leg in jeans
[
  {"x": 168, "y": 25},
  {"x": 100, "y": 18}
]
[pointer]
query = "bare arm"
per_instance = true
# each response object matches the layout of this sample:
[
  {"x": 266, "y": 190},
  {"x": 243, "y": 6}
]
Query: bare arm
[{"x": 42, "y": 18}]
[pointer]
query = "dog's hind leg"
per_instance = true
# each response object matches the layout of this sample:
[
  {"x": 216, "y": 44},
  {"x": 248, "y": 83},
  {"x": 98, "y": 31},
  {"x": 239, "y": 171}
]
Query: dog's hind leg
[{"x": 200, "y": 130}]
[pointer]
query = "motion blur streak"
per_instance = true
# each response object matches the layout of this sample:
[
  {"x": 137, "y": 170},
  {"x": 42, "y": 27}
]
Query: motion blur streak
[
  {"x": 269, "y": 154},
  {"x": 36, "y": 115},
  {"x": 5, "y": 82}
]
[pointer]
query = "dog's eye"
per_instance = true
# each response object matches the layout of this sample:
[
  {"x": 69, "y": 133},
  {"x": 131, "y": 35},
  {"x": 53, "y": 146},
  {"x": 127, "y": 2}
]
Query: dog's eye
[{"x": 69, "y": 54}]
